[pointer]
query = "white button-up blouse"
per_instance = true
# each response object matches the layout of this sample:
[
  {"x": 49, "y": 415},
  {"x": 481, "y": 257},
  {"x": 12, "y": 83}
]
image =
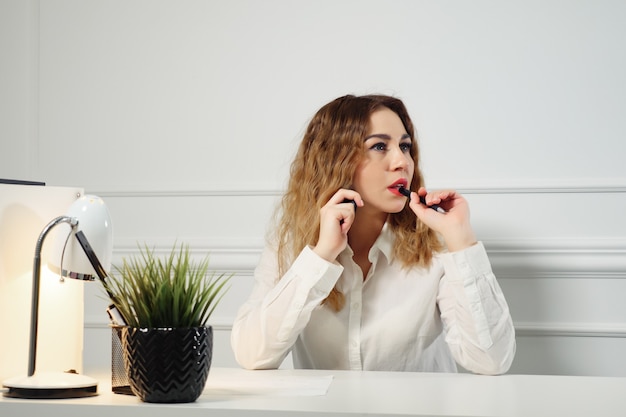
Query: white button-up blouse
[{"x": 397, "y": 319}]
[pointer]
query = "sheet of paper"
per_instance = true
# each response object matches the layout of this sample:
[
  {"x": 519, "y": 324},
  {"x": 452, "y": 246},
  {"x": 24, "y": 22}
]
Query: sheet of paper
[{"x": 266, "y": 383}]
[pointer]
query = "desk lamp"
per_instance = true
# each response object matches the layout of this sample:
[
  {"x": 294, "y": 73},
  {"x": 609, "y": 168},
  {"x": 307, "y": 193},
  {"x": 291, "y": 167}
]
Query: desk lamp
[{"x": 87, "y": 216}]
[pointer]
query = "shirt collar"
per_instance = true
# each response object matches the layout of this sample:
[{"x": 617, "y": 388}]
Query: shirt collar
[{"x": 383, "y": 244}]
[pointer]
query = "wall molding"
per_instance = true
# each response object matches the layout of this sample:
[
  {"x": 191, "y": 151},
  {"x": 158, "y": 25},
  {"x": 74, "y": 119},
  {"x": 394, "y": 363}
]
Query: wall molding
[
  {"x": 225, "y": 254},
  {"x": 535, "y": 329},
  {"x": 94, "y": 322},
  {"x": 178, "y": 193},
  {"x": 577, "y": 258},
  {"x": 478, "y": 186},
  {"x": 514, "y": 258},
  {"x": 522, "y": 329}
]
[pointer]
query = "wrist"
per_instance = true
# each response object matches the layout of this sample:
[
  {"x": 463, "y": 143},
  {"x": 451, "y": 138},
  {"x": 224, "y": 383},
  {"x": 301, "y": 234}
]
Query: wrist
[
  {"x": 457, "y": 247},
  {"x": 325, "y": 254},
  {"x": 458, "y": 242}
]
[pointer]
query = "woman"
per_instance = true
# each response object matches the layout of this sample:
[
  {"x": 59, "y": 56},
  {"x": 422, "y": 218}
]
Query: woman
[{"x": 357, "y": 276}]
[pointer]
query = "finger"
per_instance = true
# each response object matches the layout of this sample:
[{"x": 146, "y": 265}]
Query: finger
[
  {"x": 347, "y": 200},
  {"x": 432, "y": 200},
  {"x": 344, "y": 194}
]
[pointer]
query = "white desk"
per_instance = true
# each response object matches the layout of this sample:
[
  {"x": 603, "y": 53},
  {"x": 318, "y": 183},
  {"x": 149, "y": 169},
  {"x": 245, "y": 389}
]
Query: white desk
[{"x": 358, "y": 393}]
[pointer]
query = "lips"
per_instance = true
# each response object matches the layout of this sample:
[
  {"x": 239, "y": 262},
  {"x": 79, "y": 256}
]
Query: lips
[{"x": 394, "y": 188}]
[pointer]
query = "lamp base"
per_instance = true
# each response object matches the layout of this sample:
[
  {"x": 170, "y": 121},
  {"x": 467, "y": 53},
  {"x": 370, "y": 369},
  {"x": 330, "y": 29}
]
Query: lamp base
[{"x": 51, "y": 385}]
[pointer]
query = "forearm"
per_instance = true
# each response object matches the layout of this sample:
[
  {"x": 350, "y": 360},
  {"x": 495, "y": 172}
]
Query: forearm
[
  {"x": 268, "y": 324},
  {"x": 479, "y": 327}
]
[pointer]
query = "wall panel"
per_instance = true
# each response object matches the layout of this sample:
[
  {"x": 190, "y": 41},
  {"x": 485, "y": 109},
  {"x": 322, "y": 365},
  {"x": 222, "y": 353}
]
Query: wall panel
[
  {"x": 564, "y": 282},
  {"x": 184, "y": 116}
]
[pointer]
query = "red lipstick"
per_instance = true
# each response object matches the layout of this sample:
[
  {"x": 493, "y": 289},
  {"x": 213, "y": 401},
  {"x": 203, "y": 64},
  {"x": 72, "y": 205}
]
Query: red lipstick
[{"x": 397, "y": 186}]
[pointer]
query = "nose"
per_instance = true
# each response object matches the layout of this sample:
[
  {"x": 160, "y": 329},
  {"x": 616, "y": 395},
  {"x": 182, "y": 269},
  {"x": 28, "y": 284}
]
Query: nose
[{"x": 399, "y": 160}]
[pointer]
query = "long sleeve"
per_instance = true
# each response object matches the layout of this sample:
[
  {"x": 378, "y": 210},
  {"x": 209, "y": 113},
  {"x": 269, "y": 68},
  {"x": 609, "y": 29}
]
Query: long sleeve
[
  {"x": 268, "y": 324},
  {"x": 479, "y": 328}
]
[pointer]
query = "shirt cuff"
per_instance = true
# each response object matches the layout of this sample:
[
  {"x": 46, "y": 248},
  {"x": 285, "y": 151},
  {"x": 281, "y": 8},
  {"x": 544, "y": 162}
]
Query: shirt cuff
[{"x": 469, "y": 262}]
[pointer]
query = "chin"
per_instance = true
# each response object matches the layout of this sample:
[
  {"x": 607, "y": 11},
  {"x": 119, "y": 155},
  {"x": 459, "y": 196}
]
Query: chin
[{"x": 395, "y": 208}]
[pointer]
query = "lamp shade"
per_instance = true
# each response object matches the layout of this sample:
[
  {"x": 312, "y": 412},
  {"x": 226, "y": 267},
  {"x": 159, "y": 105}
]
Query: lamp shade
[{"x": 68, "y": 258}]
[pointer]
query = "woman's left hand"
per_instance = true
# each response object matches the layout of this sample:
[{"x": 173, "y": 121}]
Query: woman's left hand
[{"x": 454, "y": 225}]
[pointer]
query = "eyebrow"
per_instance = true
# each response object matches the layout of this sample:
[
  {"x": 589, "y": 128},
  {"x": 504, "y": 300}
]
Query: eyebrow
[{"x": 385, "y": 136}]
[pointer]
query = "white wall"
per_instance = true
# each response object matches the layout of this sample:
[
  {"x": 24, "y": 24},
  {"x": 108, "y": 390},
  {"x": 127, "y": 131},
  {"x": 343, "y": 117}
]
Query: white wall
[{"x": 184, "y": 116}]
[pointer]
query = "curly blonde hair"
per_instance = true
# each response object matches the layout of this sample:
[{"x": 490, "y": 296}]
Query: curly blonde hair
[{"x": 326, "y": 161}]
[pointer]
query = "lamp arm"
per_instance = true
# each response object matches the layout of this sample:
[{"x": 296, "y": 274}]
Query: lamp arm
[{"x": 34, "y": 314}]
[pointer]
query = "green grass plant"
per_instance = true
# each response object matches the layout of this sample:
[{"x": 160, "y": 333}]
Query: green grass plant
[{"x": 166, "y": 292}]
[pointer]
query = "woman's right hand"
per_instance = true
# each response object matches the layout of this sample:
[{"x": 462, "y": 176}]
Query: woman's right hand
[{"x": 336, "y": 218}]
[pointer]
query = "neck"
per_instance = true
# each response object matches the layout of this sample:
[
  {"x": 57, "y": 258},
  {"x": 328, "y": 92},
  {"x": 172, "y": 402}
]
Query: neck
[{"x": 365, "y": 230}]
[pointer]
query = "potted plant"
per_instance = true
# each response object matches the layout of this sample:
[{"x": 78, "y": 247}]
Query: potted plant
[{"x": 166, "y": 303}]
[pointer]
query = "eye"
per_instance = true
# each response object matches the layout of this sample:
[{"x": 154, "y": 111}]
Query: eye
[
  {"x": 380, "y": 146},
  {"x": 406, "y": 147}
]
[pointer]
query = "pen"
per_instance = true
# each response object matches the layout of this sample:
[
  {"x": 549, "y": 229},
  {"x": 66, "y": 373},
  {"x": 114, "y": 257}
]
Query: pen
[
  {"x": 407, "y": 193},
  {"x": 114, "y": 314},
  {"x": 346, "y": 200}
]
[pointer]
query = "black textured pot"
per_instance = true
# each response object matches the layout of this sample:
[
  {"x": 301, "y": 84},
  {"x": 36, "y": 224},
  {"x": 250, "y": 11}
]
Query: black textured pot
[{"x": 167, "y": 365}]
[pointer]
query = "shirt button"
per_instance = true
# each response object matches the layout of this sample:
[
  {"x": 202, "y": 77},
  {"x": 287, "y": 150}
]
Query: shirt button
[{"x": 356, "y": 306}]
